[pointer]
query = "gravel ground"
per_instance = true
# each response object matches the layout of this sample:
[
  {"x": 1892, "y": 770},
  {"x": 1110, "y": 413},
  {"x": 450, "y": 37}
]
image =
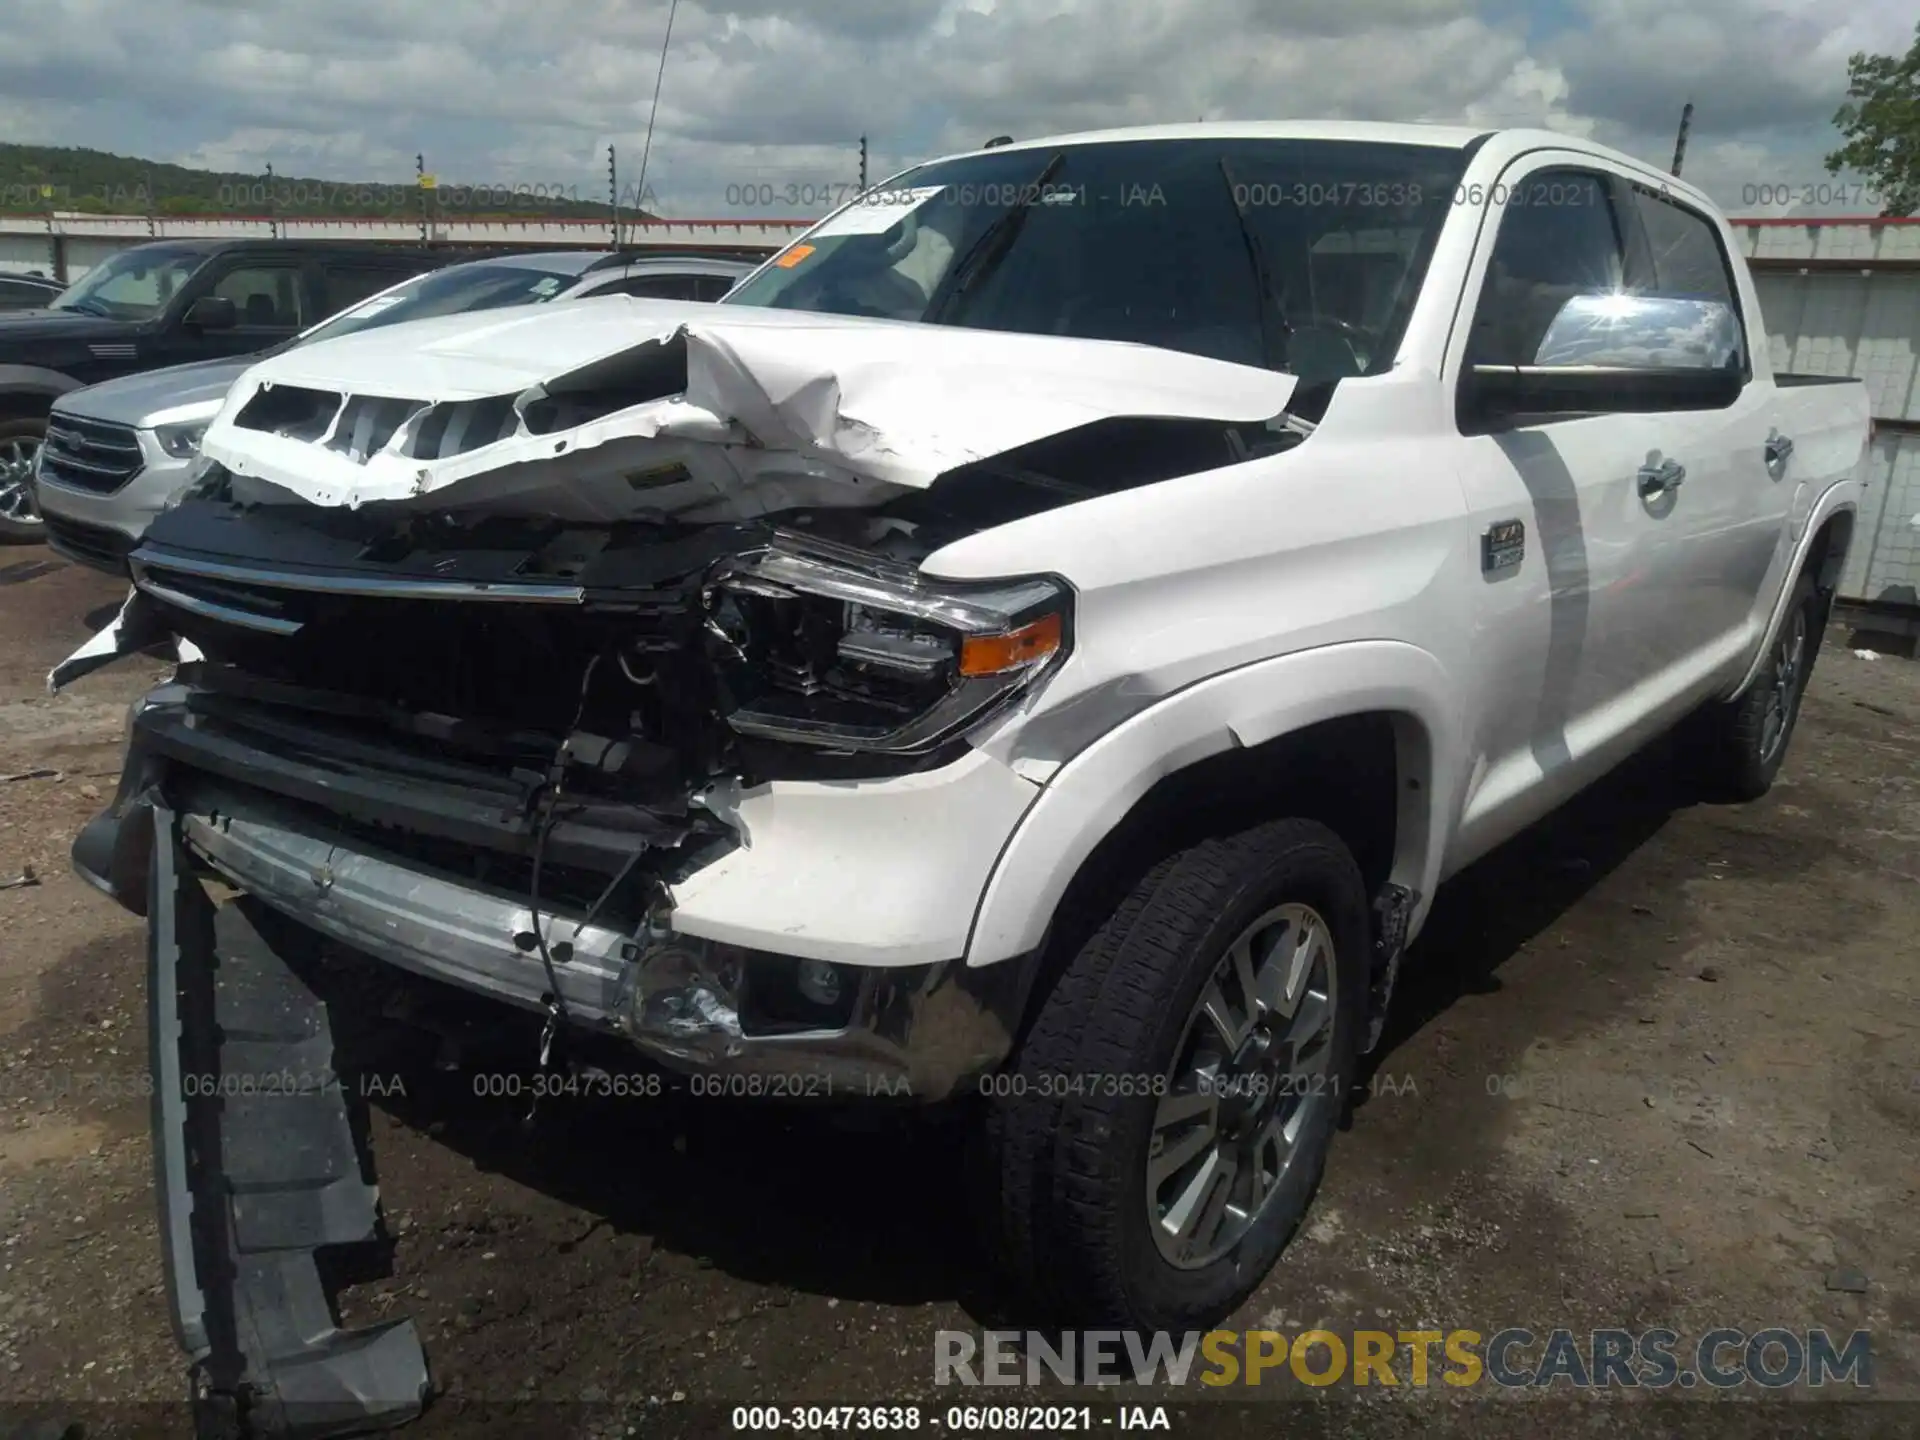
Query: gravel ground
[{"x": 1654, "y": 1064}]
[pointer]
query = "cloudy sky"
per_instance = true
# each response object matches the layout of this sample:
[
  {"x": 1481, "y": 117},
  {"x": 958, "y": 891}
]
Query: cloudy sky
[{"x": 763, "y": 98}]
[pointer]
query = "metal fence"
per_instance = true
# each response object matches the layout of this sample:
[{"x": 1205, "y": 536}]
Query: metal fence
[{"x": 1842, "y": 297}]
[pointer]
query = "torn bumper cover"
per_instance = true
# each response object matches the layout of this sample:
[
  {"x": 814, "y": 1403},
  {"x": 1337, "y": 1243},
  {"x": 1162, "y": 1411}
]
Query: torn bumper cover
[
  {"x": 258, "y": 1170},
  {"x": 815, "y": 1029}
]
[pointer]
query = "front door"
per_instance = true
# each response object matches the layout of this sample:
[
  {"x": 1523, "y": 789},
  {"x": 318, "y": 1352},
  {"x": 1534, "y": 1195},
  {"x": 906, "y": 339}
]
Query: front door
[
  {"x": 1600, "y": 623},
  {"x": 270, "y": 305}
]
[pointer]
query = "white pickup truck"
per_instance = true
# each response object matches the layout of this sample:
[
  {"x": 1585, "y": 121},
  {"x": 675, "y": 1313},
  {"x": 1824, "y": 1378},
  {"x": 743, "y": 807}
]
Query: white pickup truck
[{"x": 1039, "y": 644}]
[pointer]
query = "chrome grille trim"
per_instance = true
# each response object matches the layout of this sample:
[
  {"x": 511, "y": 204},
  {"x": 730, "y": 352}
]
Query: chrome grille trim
[
  {"x": 90, "y": 455},
  {"x": 394, "y": 588}
]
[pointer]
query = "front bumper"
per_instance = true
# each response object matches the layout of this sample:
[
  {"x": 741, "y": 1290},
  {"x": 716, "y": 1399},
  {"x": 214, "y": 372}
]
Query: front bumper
[
  {"x": 101, "y": 528},
  {"x": 96, "y": 546},
  {"x": 694, "y": 1002},
  {"x": 922, "y": 1030}
]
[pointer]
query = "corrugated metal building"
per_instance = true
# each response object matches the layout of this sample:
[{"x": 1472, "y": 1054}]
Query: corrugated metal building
[{"x": 1842, "y": 297}]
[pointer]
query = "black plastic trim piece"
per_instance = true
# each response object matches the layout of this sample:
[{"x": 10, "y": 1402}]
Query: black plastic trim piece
[
  {"x": 1392, "y": 914},
  {"x": 257, "y": 1169},
  {"x": 487, "y": 811},
  {"x": 173, "y": 908}
]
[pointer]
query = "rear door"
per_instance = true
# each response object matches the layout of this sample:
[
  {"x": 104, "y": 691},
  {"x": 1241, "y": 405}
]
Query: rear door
[{"x": 1723, "y": 535}]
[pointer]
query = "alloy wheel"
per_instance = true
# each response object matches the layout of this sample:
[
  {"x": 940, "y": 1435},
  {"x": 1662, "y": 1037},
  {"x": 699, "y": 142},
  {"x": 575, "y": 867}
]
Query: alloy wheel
[
  {"x": 1789, "y": 653},
  {"x": 18, "y": 456},
  {"x": 1251, "y": 1072}
]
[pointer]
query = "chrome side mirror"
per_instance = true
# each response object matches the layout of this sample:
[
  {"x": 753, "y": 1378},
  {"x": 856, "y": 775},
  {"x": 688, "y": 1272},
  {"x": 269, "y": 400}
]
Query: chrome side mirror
[{"x": 1642, "y": 332}]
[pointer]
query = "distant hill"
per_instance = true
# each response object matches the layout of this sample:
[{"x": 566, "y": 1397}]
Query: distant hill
[{"x": 36, "y": 178}]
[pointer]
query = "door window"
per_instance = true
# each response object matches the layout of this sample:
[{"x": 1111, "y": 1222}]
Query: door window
[
  {"x": 1685, "y": 257},
  {"x": 19, "y": 295},
  {"x": 653, "y": 287},
  {"x": 1559, "y": 237},
  {"x": 265, "y": 297},
  {"x": 1587, "y": 270}
]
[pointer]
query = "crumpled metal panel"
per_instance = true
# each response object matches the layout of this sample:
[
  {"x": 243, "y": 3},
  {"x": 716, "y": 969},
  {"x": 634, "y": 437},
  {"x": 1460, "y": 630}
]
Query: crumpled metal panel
[{"x": 744, "y": 410}]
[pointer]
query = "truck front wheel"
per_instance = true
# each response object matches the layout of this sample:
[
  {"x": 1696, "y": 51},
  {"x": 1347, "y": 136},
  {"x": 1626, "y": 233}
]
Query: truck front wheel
[{"x": 1163, "y": 1127}]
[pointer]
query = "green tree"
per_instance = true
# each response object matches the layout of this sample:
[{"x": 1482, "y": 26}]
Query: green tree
[{"x": 1881, "y": 123}]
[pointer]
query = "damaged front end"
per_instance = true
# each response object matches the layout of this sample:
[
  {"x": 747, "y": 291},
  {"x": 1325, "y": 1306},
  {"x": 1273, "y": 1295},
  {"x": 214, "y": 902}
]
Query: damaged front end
[
  {"x": 624, "y": 695},
  {"x": 488, "y": 753},
  {"x": 531, "y": 687},
  {"x": 490, "y": 750}
]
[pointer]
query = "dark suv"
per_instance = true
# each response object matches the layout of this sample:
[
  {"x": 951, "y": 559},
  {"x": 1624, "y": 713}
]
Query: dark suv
[{"x": 168, "y": 303}]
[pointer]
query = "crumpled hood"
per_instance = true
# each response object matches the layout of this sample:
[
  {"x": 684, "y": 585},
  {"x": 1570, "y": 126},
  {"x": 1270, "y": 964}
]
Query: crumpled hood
[{"x": 622, "y": 405}]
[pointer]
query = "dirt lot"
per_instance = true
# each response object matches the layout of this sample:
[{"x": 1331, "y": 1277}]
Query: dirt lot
[{"x": 1657, "y": 1064}]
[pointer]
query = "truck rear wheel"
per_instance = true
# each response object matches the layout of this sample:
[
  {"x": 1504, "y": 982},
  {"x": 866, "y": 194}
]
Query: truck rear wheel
[
  {"x": 1164, "y": 1126},
  {"x": 1741, "y": 745},
  {"x": 19, "y": 448}
]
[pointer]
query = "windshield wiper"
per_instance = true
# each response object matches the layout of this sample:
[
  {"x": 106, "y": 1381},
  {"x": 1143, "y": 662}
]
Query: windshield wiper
[
  {"x": 84, "y": 307},
  {"x": 992, "y": 245},
  {"x": 1271, "y": 308}
]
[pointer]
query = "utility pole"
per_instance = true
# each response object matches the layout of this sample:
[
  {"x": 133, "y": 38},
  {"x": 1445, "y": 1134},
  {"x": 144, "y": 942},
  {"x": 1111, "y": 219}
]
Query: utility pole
[
  {"x": 613, "y": 194},
  {"x": 646, "y": 150},
  {"x": 273, "y": 206},
  {"x": 863, "y": 164},
  {"x": 151, "y": 230},
  {"x": 56, "y": 243},
  {"x": 420, "y": 179},
  {"x": 1680, "y": 142}
]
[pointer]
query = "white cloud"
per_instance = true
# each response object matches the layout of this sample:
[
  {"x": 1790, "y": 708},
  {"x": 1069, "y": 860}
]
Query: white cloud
[{"x": 775, "y": 96}]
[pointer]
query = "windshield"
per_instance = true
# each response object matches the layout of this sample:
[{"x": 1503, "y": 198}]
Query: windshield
[
  {"x": 455, "y": 291},
  {"x": 1166, "y": 242},
  {"x": 133, "y": 285}
]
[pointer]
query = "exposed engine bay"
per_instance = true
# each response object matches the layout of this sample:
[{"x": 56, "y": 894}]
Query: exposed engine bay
[
  {"x": 665, "y": 653},
  {"x": 647, "y": 658}
]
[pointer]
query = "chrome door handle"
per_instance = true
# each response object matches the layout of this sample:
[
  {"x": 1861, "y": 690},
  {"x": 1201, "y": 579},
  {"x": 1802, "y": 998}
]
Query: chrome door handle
[
  {"x": 1779, "y": 447},
  {"x": 1658, "y": 479}
]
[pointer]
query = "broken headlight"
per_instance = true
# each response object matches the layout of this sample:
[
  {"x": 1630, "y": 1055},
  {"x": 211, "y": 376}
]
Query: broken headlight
[{"x": 841, "y": 649}]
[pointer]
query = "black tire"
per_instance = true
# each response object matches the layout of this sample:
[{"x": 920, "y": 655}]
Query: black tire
[
  {"x": 1068, "y": 1129},
  {"x": 1739, "y": 746},
  {"x": 15, "y": 526}
]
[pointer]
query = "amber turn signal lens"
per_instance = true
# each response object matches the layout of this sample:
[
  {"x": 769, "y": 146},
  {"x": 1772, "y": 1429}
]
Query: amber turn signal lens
[{"x": 997, "y": 654}]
